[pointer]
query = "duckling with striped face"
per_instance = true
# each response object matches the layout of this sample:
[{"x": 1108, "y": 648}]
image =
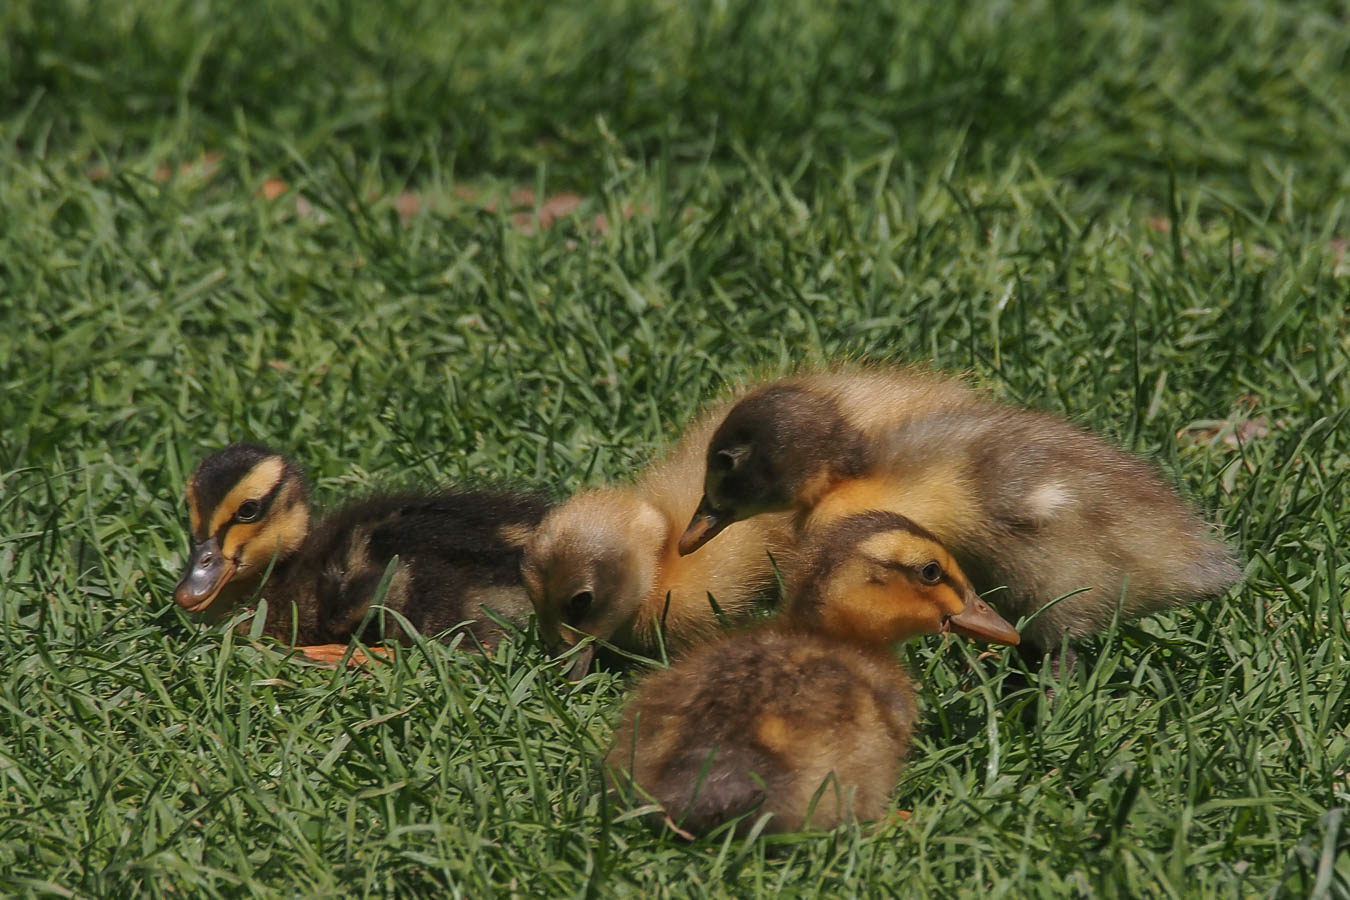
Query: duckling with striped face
[
  {"x": 806, "y": 717},
  {"x": 247, "y": 507},
  {"x": 458, "y": 554}
]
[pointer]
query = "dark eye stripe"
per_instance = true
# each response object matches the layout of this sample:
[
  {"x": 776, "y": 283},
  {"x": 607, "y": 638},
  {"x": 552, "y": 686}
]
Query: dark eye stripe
[
  {"x": 265, "y": 505},
  {"x": 893, "y": 566},
  {"x": 917, "y": 571}
]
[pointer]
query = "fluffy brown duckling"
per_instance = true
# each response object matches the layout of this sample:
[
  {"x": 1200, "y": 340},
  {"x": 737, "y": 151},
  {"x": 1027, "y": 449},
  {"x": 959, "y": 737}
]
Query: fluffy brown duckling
[
  {"x": 808, "y": 716},
  {"x": 605, "y": 563},
  {"x": 1022, "y": 499},
  {"x": 458, "y": 554}
]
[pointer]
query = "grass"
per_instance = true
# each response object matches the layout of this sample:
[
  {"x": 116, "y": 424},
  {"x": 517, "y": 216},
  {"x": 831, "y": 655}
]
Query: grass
[{"x": 1134, "y": 217}]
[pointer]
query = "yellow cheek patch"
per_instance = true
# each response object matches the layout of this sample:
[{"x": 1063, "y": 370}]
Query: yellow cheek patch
[
  {"x": 948, "y": 599},
  {"x": 256, "y": 543},
  {"x": 883, "y": 614},
  {"x": 254, "y": 486},
  {"x": 241, "y": 538}
]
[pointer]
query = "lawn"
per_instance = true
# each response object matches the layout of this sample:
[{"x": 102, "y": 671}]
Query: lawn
[{"x": 522, "y": 245}]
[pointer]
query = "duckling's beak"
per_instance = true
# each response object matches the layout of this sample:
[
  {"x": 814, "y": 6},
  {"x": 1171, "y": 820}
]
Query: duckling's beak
[
  {"x": 978, "y": 620},
  {"x": 581, "y": 663},
  {"x": 561, "y": 643},
  {"x": 208, "y": 571},
  {"x": 706, "y": 524}
]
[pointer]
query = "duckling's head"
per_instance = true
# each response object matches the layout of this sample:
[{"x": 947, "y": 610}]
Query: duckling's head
[
  {"x": 776, "y": 448},
  {"x": 591, "y": 564},
  {"x": 879, "y": 578},
  {"x": 247, "y": 506}
]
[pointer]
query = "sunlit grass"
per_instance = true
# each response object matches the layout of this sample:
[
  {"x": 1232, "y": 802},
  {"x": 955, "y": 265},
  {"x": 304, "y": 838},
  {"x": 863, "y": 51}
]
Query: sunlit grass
[{"x": 1133, "y": 219}]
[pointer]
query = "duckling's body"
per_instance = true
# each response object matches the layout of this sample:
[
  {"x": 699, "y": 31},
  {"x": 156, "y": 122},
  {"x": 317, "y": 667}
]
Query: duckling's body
[
  {"x": 786, "y": 705},
  {"x": 605, "y": 562},
  {"x": 458, "y": 554},
  {"x": 1022, "y": 499},
  {"x": 807, "y": 717}
]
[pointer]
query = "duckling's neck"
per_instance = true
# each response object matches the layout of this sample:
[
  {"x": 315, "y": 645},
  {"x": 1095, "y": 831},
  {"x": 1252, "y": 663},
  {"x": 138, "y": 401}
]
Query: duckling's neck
[
  {"x": 939, "y": 496},
  {"x": 845, "y": 629},
  {"x": 733, "y": 571},
  {"x": 277, "y": 574},
  {"x": 821, "y": 476},
  {"x": 244, "y": 592},
  {"x": 815, "y": 488}
]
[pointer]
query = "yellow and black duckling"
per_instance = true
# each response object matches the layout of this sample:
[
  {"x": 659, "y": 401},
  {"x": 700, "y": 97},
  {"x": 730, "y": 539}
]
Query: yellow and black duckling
[
  {"x": 1022, "y": 499},
  {"x": 458, "y": 554},
  {"x": 808, "y": 716},
  {"x": 605, "y": 562}
]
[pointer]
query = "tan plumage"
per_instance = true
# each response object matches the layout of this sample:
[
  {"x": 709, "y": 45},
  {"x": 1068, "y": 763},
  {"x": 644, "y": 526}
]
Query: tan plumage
[
  {"x": 807, "y": 717},
  {"x": 1022, "y": 499},
  {"x": 458, "y": 554},
  {"x": 604, "y": 562}
]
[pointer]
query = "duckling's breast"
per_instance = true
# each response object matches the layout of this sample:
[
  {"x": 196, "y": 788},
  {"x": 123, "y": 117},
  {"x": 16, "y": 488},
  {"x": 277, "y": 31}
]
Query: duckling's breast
[{"x": 736, "y": 571}]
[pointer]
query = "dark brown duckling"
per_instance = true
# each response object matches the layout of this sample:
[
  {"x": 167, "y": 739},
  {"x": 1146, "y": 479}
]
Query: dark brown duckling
[
  {"x": 809, "y": 716},
  {"x": 1022, "y": 499},
  {"x": 458, "y": 554}
]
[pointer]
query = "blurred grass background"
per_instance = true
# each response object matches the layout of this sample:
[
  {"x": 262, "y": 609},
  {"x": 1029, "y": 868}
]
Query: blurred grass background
[{"x": 522, "y": 244}]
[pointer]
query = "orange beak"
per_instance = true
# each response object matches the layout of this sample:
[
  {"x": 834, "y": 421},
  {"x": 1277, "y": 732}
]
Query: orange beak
[
  {"x": 978, "y": 620},
  {"x": 581, "y": 663},
  {"x": 706, "y": 524},
  {"x": 562, "y": 642}
]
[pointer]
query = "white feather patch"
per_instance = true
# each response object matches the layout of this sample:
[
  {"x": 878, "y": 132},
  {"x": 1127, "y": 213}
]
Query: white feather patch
[{"x": 1047, "y": 499}]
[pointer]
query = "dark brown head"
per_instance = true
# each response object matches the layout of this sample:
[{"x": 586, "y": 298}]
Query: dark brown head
[
  {"x": 247, "y": 506},
  {"x": 773, "y": 446},
  {"x": 879, "y": 578}
]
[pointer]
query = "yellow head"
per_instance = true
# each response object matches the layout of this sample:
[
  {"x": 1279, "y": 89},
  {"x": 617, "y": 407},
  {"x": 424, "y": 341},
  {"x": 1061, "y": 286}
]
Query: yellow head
[
  {"x": 247, "y": 507},
  {"x": 879, "y": 578},
  {"x": 591, "y": 564}
]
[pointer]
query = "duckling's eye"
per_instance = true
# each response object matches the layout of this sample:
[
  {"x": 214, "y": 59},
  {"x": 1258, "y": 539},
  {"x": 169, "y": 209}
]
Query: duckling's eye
[
  {"x": 249, "y": 511},
  {"x": 577, "y": 607},
  {"x": 931, "y": 572}
]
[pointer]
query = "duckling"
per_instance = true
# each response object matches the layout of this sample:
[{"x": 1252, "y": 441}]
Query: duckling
[
  {"x": 808, "y": 716},
  {"x": 605, "y": 563},
  {"x": 1022, "y": 499},
  {"x": 458, "y": 554}
]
